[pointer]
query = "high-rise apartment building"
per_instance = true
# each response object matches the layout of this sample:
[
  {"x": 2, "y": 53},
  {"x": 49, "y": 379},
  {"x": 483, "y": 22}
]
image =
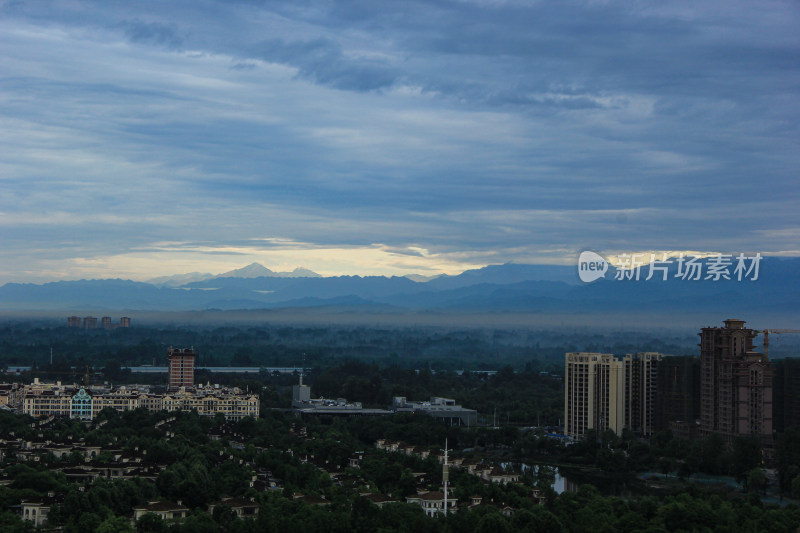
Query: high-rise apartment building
[
  {"x": 602, "y": 392},
  {"x": 641, "y": 375},
  {"x": 735, "y": 383},
  {"x": 74, "y": 322},
  {"x": 786, "y": 395},
  {"x": 181, "y": 367},
  {"x": 89, "y": 322},
  {"x": 677, "y": 392},
  {"x": 105, "y": 322}
]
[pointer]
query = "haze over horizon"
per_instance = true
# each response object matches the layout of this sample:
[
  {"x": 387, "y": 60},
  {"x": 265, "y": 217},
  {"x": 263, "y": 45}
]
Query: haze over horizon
[{"x": 152, "y": 139}]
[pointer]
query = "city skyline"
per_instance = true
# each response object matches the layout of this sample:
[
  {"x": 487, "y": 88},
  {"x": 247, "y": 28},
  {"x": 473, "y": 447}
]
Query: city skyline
[{"x": 148, "y": 140}]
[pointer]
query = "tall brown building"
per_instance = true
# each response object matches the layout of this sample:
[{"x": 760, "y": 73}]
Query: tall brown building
[
  {"x": 735, "y": 384},
  {"x": 181, "y": 367}
]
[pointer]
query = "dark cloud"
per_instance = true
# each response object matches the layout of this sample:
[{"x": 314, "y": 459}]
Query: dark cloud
[
  {"x": 323, "y": 61},
  {"x": 153, "y": 33},
  {"x": 243, "y": 65},
  {"x": 404, "y": 251},
  {"x": 495, "y": 127}
]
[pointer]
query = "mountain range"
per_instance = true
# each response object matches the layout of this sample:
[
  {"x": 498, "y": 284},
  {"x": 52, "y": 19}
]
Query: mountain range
[
  {"x": 253, "y": 270},
  {"x": 507, "y": 288}
]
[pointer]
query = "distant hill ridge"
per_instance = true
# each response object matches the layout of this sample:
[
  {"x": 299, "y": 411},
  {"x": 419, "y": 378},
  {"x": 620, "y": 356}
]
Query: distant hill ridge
[
  {"x": 515, "y": 288},
  {"x": 253, "y": 270},
  {"x": 257, "y": 270}
]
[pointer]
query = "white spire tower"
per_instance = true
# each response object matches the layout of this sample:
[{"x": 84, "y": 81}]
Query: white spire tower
[{"x": 445, "y": 476}]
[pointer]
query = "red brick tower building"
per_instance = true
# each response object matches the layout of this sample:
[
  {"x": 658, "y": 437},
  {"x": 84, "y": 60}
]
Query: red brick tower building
[{"x": 181, "y": 367}]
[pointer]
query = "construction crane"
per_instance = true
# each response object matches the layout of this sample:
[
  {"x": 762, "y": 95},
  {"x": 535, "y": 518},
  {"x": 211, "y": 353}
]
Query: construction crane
[{"x": 766, "y": 333}]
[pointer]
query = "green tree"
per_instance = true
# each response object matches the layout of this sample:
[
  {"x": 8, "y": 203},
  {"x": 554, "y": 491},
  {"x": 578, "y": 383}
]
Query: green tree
[
  {"x": 493, "y": 523},
  {"x": 536, "y": 520},
  {"x": 746, "y": 456},
  {"x": 199, "y": 523},
  {"x": 86, "y": 522},
  {"x": 151, "y": 523},
  {"x": 114, "y": 524},
  {"x": 12, "y": 523},
  {"x": 224, "y": 516},
  {"x": 363, "y": 515},
  {"x": 756, "y": 480}
]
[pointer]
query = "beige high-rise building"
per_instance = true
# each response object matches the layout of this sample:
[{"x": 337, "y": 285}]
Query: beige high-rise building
[
  {"x": 602, "y": 392},
  {"x": 594, "y": 393}
]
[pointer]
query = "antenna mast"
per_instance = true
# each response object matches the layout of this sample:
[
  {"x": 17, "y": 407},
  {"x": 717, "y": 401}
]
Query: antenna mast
[{"x": 445, "y": 476}]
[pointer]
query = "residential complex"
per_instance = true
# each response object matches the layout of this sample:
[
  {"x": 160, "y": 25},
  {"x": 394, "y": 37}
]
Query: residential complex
[
  {"x": 78, "y": 402},
  {"x": 90, "y": 322},
  {"x": 84, "y": 403},
  {"x": 727, "y": 391},
  {"x": 602, "y": 392}
]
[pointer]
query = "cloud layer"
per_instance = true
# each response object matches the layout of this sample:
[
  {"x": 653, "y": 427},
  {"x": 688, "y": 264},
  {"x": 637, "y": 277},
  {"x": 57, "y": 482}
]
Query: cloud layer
[{"x": 348, "y": 136}]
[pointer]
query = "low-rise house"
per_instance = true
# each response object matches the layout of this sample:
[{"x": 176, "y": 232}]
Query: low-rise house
[
  {"x": 355, "y": 460},
  {"x": 407, "y": 449},
  {"x": 163, "y": 509},
  {"x": 27, "y": 455},
  {"x": 421, "y": 452},
  {"x": 433, "y": 502},
  {"x": 498, "y": 475},
  {"x": 36, "y": 510},
  {"x": 470, "y": 464},
  {"x": 310, "y": 499},
  {"x": 243, "y": 507},
  {"x": 482, "y": 471},
  {"x": 378, "y": 499}
]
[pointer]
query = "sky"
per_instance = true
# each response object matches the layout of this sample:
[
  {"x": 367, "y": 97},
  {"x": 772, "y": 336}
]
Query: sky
[{"x": 143, "y": 139}]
